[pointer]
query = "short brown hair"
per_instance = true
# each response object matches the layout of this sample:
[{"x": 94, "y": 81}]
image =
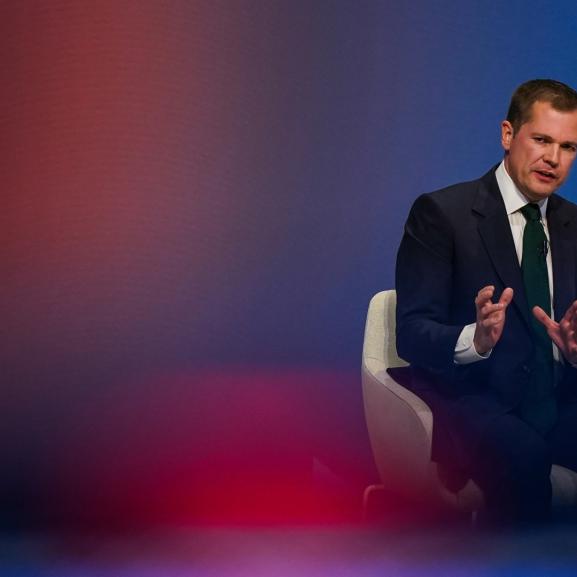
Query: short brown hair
[{"x": 559, "y": 95}]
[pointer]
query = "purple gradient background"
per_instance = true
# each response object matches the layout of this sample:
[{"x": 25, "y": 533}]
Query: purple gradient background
[{"x": 199, "y": 200}]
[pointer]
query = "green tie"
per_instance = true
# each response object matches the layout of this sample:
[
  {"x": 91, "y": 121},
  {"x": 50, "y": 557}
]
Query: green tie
[{"x": 539, "y": 407}]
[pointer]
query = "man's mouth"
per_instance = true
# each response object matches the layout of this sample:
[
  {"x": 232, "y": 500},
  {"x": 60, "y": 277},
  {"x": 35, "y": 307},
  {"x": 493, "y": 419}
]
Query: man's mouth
[{"x": 546, "y": 175}]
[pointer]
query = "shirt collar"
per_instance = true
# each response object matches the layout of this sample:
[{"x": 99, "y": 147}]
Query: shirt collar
[{"x": 512, "y": 196}]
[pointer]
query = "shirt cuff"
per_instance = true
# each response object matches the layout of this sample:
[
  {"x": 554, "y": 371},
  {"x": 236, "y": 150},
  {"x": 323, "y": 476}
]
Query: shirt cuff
[{"x": 465, "y": 352}]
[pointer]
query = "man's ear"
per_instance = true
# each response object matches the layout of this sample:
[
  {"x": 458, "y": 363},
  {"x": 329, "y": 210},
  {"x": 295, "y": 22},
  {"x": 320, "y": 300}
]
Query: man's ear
[{"x": 507, "y": 134}]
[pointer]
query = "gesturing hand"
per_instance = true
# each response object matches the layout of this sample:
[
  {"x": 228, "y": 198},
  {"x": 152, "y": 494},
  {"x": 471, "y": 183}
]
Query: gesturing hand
[
  {"x": 491, "y": 318},
  {"x": 562, "y": 333}
]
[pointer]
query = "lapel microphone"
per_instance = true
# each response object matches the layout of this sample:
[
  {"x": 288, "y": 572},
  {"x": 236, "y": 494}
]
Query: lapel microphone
[{"x": 544, "y": 250}]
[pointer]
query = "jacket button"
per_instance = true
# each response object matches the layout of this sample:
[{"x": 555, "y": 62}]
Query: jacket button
[{"x": 526, "y": 369}]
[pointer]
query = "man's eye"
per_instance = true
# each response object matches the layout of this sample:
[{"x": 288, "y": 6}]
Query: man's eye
[
  {"x": 569, "y": 147},
  {"x": 538, "y": 139}
]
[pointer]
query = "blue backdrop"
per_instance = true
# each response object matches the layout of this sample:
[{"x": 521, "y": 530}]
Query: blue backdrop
[{"x": 199, "y": 201}]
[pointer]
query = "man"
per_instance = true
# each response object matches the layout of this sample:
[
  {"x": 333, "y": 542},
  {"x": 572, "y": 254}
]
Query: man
[{"x": 480, "y": 277}]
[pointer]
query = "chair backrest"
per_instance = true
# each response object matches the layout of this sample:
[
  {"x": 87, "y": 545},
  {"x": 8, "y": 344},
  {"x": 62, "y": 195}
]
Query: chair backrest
[
  {"x": 399, "y": 423},
  {"x": 379, "y": 342}
]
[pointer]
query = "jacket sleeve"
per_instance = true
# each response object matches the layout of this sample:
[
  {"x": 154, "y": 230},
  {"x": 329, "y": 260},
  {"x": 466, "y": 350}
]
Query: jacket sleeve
[{"x": 424, "y": 283}]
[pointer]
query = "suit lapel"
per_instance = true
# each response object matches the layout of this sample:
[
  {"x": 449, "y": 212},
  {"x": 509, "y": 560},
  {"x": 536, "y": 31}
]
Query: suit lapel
[
  {"x": 562, "y": 234},
  {"x": 495, "y": 232}
]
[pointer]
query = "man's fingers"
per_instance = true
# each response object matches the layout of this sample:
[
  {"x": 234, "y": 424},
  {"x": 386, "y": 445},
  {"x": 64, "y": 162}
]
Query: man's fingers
[
  {"x": 544, "y": 318},
  {"x": 565, "y": 336},
  {"x": 571, "y": 314},
  {"x": 490, "y": 317},
  {"x": 484, "y": 295},
  {"x": 493, "y": 321},
  {"x": 573, "y": 317},
  {"x": 562, "y": 333},
  {"x": 486, "y": 289},
  {"x": 567, "y": 331},
  {"x": 490, "y": 308},
  {"x": 506, "y": 297},
  {"x": 556, "y": 338}
]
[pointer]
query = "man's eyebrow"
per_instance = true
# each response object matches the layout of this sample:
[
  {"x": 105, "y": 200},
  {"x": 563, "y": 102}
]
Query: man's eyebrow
[
  {"x": 542, "y": 135},
  {"x": 548, "y": 138}
]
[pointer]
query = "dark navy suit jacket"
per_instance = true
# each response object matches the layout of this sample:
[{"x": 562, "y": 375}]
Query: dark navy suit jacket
[{"x": 456, "y": 241}]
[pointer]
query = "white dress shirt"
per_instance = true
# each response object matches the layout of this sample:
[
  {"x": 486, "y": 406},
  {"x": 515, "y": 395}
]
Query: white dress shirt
[{"x": 514, "y": 200}]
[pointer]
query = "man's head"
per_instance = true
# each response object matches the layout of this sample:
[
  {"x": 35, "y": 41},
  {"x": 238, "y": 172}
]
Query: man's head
[{"x": 540, "y": 137}]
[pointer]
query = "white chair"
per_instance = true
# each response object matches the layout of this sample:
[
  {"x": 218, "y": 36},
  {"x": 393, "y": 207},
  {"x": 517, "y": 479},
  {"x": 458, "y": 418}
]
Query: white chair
[{"x": 400, "y": 426}]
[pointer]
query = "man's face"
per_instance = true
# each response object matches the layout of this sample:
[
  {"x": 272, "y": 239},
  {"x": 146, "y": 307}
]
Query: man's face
[{"x": 539, "y": 156}]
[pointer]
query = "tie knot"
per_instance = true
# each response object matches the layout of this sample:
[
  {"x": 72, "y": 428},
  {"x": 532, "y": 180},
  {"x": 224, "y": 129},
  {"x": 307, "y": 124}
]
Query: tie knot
[{"x": 531, "y": 211}]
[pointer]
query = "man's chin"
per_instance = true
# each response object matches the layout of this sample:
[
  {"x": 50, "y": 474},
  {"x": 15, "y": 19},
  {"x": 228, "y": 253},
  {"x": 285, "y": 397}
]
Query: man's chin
[{"x": 537, "y": 194}]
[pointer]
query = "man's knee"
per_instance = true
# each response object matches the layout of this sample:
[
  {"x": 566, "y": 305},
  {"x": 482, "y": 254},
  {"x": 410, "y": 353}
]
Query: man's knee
[
  {"x": 529, "y": 457},
  {"x": 516, "y": 456}
]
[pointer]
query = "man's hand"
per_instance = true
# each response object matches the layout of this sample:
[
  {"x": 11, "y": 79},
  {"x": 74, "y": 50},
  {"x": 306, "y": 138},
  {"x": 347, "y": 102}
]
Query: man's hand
[
  {"x": 491, "y": 318},
  {"x": 563, "y": 333}
]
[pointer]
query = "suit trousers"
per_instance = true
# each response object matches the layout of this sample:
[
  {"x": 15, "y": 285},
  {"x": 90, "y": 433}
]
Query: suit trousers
[{"x": 511, "y": 462}]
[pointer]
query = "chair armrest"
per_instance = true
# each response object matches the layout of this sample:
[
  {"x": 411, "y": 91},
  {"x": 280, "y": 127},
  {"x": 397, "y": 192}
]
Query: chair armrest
[{"x": 400, "y": 426}]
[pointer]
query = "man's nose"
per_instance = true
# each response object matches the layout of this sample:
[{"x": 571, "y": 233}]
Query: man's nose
[{"x": 551, "y": 156}]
